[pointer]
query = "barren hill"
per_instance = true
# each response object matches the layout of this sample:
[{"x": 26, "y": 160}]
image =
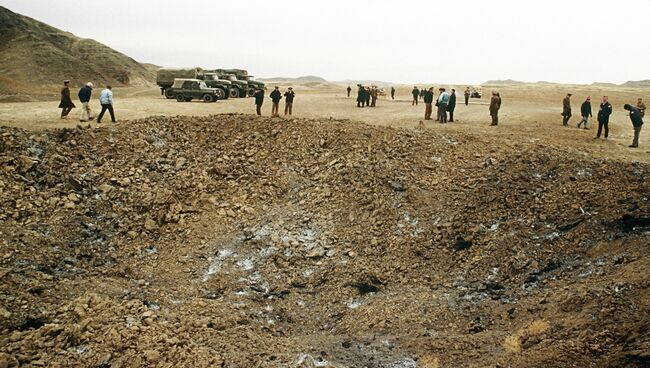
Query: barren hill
[{"x": 35, "y": 54}]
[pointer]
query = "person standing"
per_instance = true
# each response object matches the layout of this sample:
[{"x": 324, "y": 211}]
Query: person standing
[
  {"x": 443, "y": 102},
  {"x": 361, "y": 96},
  {"x": 428, "y": 101},
  {"x": 349, "y": 90},
  {"x": 106, "y": 100},
  {"x": 637, "y": 123},
  {"x": 84, "y": 97},
  {"x": 392, "y": 93},
  {"x": 276, "y": 96},
  {"x": 66, "y": 104},
  {"x": 289, "y": 95},
  {"x": 416, "y": 94},
  {"x": 452, "y": 105},
  {"x": 495, "y": 105},
  {"x": 374, "y": 92},
  {"x": 467, "y": 94},
  {"x": 603, "y": 117},
  {"x": 585, "y": 112},
  {"x": 259, "y": 100},
  {"x": 368, "y": 95},
  {"x": 566, "y": 109},
  {"x": 641, "y": 106}
]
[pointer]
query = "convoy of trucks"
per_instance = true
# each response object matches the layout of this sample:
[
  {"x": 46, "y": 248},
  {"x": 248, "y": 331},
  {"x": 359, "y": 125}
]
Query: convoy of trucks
[{"x": 223, "y": 83}]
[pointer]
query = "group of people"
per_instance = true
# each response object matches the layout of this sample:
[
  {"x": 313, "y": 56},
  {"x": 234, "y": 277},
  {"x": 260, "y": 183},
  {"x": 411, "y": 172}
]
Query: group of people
[
  {"x": 276, "y": 96},
  {"x": 446, "y": 103},
  {"x": 85, "y": 93},
  {"x": 636, "y": 114},
  {"x": 367, "y": 96}
]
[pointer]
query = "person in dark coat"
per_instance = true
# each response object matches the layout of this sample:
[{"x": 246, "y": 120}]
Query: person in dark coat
[
  {"x": 392, "y": 93},
  {"x": 637, "y": 123},
  {"x": 259, "y": 100},
  {"x": 276, "y": 96},
  {"x": 84, "y": 96},
  {"x": 349, "y": 90},
  {"x": 66, "y": 104},
  {"x": 428, "y": 101},
  {"x": 495, "y": 105},
  {"x": 603, "y": 117},
  {"x": 585, "y": 112},
  {"x": 451, "y": 105},
  {"x": 361, "y": 96},
  {"x": 368, "y": 95},
  {"x": 566, "y": 109},
  {"x": 416, "y": 94},
  {"x": 288, "y": 100}
]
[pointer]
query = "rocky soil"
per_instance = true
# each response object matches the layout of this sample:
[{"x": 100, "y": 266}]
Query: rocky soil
[{"x": 241, "y": 241}]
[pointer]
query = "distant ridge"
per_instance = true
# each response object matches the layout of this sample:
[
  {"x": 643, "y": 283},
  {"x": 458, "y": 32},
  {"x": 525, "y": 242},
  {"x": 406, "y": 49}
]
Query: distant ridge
[
  {"x": 637, "y": 84},
  {"x": 503, "y": 81},
  {"x": 35, "y": 54},
  {"x": 304, "y": 79}
]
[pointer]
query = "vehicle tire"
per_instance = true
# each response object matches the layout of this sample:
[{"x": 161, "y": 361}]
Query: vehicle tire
[
  {"x": 180, "y": 98},
  {"x": 208, "y": 98},
  {"x": 234, "y": 93},
  {"x": 221, "y": 94},
  {"x": 251, "y": 92},
  {"x": 169, "y": 93}
]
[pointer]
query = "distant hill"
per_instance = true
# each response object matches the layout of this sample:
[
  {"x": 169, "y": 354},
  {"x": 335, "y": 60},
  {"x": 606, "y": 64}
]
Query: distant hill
[
  {"x": 637, "y": 84},
  {"x": 603, "y": 84},
  {"x": 305, "y": 79},
  {"x": 364, "y": 82},
  {"x": 35, "y": 54},
  {"x": 503, "y": 81}
]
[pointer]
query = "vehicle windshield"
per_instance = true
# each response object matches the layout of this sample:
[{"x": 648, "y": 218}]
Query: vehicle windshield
[
  {"x": 202, "y": 85},
  {"x": 231, "y": 78}
]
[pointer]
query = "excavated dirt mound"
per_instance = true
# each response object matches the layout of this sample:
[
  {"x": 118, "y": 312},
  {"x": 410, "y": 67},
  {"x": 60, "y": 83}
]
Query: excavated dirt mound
[{"x": 241, "y": 241}]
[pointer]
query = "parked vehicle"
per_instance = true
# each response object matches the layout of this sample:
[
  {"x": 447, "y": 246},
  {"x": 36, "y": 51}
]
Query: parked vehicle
[
  {"x": 243, "y": 75},
  {"x": 239, "y": 88},
  {"x": 165, "y": 77},
  {"x": 185, "y": 90}
]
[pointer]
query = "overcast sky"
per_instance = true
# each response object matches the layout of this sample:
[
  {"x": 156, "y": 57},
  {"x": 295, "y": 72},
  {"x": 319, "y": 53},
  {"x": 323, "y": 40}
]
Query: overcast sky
[{"x": 468, "y": 41}]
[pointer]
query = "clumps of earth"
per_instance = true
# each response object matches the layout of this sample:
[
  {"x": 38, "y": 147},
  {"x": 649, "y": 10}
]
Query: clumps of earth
[{"x": 242, "y": 241}]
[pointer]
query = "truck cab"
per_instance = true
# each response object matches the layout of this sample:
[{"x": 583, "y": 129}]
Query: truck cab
[{"x": 243, "y": 75}]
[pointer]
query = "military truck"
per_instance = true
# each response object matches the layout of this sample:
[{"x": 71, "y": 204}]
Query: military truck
[
  {"x": 243, "y": 75},
  {"x": 186, "y": 89},
  {"x": 165, "y": 79},
  {"x": 239, "y": 88}
]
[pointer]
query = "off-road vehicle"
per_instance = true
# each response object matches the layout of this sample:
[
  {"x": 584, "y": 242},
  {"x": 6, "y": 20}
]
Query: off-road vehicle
[
  {"x": 165, "y": 79},
  {"x": 185, "y": 90},
  {"x": 243, "y": 75},
  {"x": 239, "y": 88}
]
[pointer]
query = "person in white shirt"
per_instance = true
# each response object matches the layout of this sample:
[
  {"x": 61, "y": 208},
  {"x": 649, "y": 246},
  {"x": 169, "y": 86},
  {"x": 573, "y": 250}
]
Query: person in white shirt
[{"x": 106, "y": 100}]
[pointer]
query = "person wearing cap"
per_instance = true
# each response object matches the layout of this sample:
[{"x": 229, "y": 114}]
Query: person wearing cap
[
  {"x": 289, "y": 95},
  {"x": 84, "y": 96},
  {"x": 637, "y": 123},
  {"x": 585, "y": 112},
  {"x": 566, "y": 109},
  {"x": 452, "y": 105},
  {"x": 428, "y": 101},
  {"x": 603, "y": 117},
  {"x": 276, "y": 96},
  {"x": 106, "y": 100},
  {"x": 467, "y": 94},
  {"x": 66, "y": 104},
  {"x": 349, "y": 89},
  {"x": 641, "y": 106},
  {"x": 392, "y": 93},
  {"x": 368, "y": 96},
  {"x": 416, "y": 94},
  {"x": 443, "y": 102},
  {"x": 259, "y": 100},
  {"x": 495, "y": 105}
]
